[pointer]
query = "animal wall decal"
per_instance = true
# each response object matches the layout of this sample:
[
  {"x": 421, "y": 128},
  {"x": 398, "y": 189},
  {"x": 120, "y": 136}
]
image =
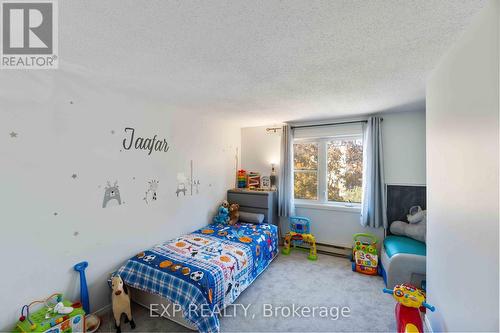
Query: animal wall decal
[
  {"x": 183, "y": 182},
  {"x": 196, "y": 185},
  {"x": 151, "y": 191},
  {"x": 193, "y": 182},
  {"x": 111, "y": 193}
]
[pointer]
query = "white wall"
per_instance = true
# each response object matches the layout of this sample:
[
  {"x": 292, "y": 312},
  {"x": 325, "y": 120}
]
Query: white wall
[
  {"x": 57, "y": 139},
  {"x": 462, "y": 175},
  {"x": 404, "y": 158},
  {"x": 261, "y": 148},
  {"x": 404, "y": 148}
]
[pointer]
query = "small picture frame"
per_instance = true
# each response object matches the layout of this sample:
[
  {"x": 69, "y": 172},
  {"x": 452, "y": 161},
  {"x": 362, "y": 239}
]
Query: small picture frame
[{"x": 265, "y": 182}]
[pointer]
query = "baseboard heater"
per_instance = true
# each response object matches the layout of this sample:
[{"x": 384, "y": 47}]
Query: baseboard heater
[{"x": 331, "y": 250}]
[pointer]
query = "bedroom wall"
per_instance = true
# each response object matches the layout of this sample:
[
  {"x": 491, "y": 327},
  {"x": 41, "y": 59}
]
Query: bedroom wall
[
  {"x": 66, "y": 123},
  {"x": 404, "y": 157},
  {"x": 462, "y": 174}
]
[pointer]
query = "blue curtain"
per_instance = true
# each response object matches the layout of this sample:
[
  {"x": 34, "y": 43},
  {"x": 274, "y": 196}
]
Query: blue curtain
[
  {"x": 373, "y": 204},
  {"x": 286, "y": 205}
]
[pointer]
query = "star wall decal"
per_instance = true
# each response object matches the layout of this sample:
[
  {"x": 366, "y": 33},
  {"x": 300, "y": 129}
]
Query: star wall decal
[
  {"x": 13, "y": 134},
  {"x": 74, "y": 176}
]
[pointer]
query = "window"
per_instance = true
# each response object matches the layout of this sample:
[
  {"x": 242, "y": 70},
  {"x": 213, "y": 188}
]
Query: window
[
  {"x": 344, "y": 170},
  {"x": 328, "y": 170},
  {"x": 305, "y": 159}
]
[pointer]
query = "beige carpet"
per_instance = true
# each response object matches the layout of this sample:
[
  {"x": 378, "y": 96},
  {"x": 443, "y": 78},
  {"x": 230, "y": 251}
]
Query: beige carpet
[{"x": 328, "y": 282}]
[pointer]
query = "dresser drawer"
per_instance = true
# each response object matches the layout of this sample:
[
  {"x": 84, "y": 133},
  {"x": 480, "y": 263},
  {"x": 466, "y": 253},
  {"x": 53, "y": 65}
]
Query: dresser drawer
[{"x": 256, "y": 200}]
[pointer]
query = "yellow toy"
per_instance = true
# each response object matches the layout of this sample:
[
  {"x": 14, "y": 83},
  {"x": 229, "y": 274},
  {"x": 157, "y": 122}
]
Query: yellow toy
[
  {"x": 411, "y": 301},
  {"x": 299, "y": 234}
]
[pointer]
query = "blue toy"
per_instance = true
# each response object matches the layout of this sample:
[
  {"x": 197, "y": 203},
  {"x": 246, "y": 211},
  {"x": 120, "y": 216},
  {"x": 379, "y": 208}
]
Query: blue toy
[
  {"x": 84, "y": 293},
  {"x": 299, "y": 234},
  {"x": 299, "y": 225},
  {"x": 222, "y": 213}
]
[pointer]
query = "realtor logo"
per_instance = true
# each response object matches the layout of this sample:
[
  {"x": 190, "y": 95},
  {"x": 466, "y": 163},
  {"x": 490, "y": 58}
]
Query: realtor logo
[{"x": 29, "y": 34}]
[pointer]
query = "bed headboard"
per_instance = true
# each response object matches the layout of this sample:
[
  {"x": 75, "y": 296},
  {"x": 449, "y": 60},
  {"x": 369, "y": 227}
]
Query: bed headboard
[{"x": 400, "y": 198}]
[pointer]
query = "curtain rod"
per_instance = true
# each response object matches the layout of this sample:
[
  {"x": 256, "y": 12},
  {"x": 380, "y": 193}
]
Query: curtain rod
[{"x": 330, "y": 124}]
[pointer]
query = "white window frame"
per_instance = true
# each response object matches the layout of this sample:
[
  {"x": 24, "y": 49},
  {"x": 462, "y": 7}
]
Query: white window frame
[{"x": 322, "y": 190}]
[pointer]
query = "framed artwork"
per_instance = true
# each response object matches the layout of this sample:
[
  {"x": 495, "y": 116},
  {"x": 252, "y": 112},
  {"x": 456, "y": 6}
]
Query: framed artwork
[{"x": 265, "y": 182}]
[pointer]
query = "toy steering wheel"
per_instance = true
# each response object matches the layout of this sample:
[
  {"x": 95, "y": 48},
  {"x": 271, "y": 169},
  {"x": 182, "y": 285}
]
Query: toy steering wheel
[
  {"x": 358, "y": 243},
  {"x": 409, "y": 296}
]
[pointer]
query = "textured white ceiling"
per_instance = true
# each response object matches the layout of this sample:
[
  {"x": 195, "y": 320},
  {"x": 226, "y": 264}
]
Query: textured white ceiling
[{"x": 264, "y": 61}]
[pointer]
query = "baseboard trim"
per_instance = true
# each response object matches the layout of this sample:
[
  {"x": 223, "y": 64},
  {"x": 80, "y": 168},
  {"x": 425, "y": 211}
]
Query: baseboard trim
[
  {"x": 103, "y": 309},
  {"x": 344, "y": 252}
]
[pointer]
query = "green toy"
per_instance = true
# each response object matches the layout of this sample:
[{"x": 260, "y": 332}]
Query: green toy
[
  {"x": 59, "y": 317},
  {"x": 364, "y": 254}
]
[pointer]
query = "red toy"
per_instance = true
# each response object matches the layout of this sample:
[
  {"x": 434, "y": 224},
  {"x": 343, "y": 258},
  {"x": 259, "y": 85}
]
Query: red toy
[{"x": 411, "y": 301}]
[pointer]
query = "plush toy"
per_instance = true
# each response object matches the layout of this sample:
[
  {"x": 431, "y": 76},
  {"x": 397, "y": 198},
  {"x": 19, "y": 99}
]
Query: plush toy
[
  {"x": 234, "y": 213},
  {"x": 222, "y": 213},
  {"x": 121, "y": 302},
  {"x": 416, "y": 227}
]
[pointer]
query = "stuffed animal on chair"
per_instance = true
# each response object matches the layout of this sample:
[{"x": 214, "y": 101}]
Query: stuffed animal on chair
[
  {"x": 415, "y": 228},
  {"x": 121, "y": 302},
  {"x": 234, "y": 213}
]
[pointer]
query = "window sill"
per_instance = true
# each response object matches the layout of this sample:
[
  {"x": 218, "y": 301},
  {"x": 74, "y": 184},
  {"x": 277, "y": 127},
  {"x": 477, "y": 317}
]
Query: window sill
[{"x": 355, "y": 209}]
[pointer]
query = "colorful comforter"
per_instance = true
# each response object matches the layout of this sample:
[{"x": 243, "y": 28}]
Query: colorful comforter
[{"x": 206, "y": 270}]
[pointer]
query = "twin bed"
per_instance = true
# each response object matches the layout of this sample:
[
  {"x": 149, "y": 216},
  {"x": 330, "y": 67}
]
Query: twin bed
[{"x": 201, "y": 272}]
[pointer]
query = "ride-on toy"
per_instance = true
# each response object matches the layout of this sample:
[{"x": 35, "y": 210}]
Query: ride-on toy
[
  {"x": 411, "y": 301},
  {"x": 364, "y": 255}
]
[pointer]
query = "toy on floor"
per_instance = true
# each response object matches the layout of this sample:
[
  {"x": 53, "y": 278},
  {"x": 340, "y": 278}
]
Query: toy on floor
[
  {"x": 364, "y": 255},
  {"x": 300, "y": 234},
  {"x": 84, "y": 293},
  {"x": 56, "y": 315},
  {"x": 411, "y": 301},
  {"x": 121, "y": 302},
  {"x": 92, "y": 321}
]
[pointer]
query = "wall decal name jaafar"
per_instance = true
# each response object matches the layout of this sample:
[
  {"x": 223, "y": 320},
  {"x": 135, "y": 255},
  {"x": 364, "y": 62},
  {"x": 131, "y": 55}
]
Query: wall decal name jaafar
[{"x": 148, "y": 144}]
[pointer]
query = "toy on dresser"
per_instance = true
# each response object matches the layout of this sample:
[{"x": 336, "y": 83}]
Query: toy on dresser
[
  {"x": 56, "y": 316},
  {"x": 253, "y": 180},
  {"x": 242, "y": 178},
  {"x": 299, "y": 234}
]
